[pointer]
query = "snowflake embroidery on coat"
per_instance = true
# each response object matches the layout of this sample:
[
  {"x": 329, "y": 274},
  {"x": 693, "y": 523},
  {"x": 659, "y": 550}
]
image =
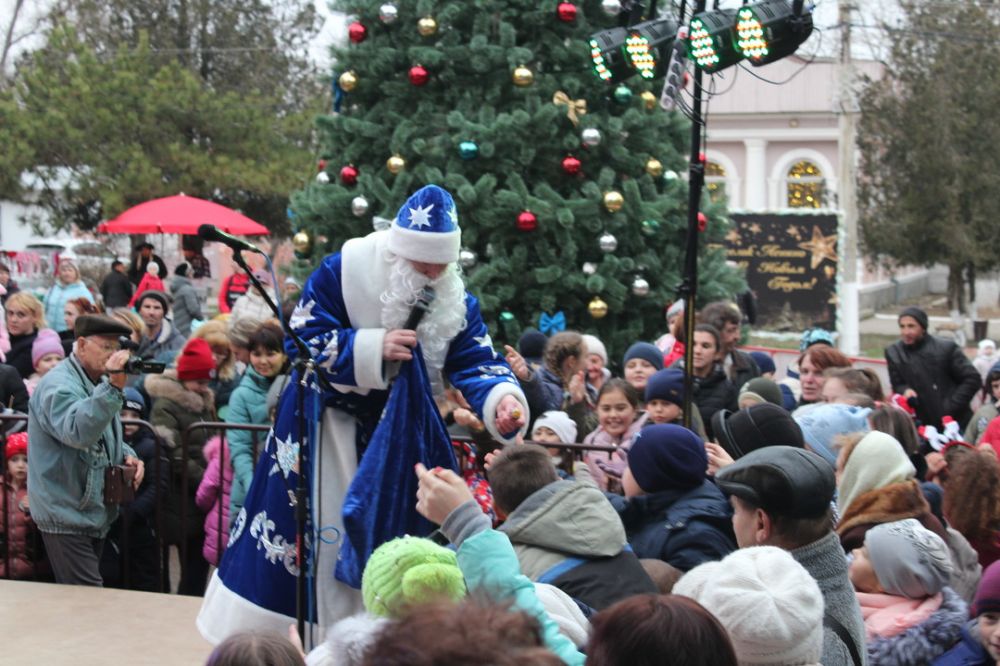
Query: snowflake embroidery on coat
[
  {"x": 301, "y": 315},
  {"x": 330, "y": 351},
  {"x": 275, "y": 546},
  {"x": 497, "y": 372},
  {"x": 286, "y": 456},
  {"x": 237, "y": 531}
]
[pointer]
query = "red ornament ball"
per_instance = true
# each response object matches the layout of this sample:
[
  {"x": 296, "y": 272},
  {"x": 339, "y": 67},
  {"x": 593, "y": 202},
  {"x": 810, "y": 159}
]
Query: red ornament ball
[
  {"x": 320, "y": 165},
  {"x": 571, "y": 165},
  {"x": 357, "y": 32},
  {"x": 566, "y": 11},
  {"x": 702, "y": 221},
  {"x": 419, "y": 75},
  {"x": 527, "y": 221},
  {"x": 349, "y": 175}
]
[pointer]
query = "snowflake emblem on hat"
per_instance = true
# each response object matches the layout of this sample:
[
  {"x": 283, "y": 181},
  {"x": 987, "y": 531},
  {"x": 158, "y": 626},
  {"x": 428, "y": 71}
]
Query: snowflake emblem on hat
[
  {"x": 302, "y": 315},
  {"x": 421, "y": 216},
  {"x": 453, "y": 215}
]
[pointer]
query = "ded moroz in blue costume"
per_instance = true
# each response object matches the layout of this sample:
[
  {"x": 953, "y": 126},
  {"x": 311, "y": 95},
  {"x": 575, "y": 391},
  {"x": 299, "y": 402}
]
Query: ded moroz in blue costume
[{"x": 374, "y": 423}]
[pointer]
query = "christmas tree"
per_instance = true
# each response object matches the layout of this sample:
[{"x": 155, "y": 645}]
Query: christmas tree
[{"x": 567, "y": 187}]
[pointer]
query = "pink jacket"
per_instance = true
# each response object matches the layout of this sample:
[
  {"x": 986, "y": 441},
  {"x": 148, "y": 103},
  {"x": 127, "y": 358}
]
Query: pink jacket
[
  {"x": 211, "y": 501},
  {"x": 600, "y": 437}
]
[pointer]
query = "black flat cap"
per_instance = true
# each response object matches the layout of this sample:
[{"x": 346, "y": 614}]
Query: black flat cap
[
  {"x": 781, "y": 480},
  {"x": 100, "y": 325},
  {"x": 755, "y": 427}
]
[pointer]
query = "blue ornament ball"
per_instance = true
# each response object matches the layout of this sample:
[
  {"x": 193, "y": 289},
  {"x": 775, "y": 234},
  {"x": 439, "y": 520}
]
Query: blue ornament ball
[{"x": 468, "y": 150}]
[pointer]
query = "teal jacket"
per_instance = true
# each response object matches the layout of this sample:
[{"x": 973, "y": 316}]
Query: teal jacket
[
  {"x": 489, "y": 564},
  {"x": 55, "y": 302},
  {"x": 247, "y": 405},
  {"x": 67, "y": 418}
]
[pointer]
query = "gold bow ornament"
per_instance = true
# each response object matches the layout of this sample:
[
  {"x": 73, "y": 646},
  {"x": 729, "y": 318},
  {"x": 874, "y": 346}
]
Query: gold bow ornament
[{"x": 574, "y": 107}]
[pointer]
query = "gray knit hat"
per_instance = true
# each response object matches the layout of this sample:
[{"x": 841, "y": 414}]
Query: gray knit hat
[{"x": 909, "y": 560}]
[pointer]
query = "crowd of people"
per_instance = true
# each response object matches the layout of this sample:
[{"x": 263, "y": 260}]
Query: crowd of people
[{"x": 811, "y": 516}]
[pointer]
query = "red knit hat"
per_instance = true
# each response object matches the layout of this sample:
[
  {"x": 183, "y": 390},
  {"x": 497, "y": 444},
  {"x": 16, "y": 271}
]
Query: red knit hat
[
  {"x": 17, "y": 444},
  {"x": 195, "y": 361}
]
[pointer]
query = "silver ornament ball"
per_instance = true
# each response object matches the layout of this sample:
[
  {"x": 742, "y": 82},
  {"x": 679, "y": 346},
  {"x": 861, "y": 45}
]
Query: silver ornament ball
[
  {"x": 640, "y": 287},
  {"x": 467, "y": 258},
  {"x": 359, "y": 206},
  {"x": 608, "y": 243},
  {"x": 388, "y": 13},
  {"x": 589, "y": 268},
  {"x": 670, "y": 174},
  {"x": 591, "y": 136},
  {"x": 322, "y": 178},
  {"x": 611, "y": 7}
]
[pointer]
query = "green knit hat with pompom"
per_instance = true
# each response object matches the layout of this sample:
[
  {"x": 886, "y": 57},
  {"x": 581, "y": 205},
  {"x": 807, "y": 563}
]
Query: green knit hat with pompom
[{"x": 408, "y": 571}]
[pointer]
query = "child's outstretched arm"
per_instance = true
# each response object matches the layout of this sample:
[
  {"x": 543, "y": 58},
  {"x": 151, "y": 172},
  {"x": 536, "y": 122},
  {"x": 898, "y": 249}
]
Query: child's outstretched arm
[{"x": 485, "y": 556}]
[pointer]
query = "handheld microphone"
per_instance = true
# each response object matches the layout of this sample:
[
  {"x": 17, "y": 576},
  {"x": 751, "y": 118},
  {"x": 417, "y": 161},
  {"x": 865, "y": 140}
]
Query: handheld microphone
[
  {"x": 210, "y": 232},
  {"x": 420, "y": 308}
]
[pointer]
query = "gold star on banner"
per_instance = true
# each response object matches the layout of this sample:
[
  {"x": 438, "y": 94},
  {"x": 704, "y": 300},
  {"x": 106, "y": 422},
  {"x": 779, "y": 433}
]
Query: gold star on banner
[
  {"x": 734, "y": 237},
  {"x": 822, "y": 247},
  {"x": 755, "y": 228},
  {"x": 793, "y": 231}
]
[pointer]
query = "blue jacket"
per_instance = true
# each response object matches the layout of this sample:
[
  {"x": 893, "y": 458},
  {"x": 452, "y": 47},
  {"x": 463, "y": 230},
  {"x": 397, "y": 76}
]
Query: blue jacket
[
  {"x": 968, "y": 651},
  {"x": 55, "y": 301},
  {"x": 247, "y": 405},
  {"x": 682, "y": 527},
  {"x": 68, "y": 417}
]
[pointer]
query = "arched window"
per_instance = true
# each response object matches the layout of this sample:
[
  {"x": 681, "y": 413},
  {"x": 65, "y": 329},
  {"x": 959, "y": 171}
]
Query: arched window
[
  {"x": 715, "y": 181},
  {"x": 805, "y": 185}
]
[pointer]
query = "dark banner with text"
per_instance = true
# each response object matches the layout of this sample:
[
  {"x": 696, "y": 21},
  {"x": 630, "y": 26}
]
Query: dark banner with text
[{"x": 791, "y": 264}]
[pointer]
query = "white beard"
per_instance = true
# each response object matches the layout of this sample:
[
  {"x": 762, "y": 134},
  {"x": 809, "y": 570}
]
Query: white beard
[{"x": 444, "y": 320}]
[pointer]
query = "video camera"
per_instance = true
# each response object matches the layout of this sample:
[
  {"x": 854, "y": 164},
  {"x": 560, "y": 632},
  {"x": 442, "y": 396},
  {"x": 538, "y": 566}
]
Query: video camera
[{"x": 135, "y": 365}]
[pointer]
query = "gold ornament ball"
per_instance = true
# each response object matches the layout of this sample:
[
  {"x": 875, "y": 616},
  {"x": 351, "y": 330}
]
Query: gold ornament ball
[
  {"x": 395, "y": 164},
  {"x": 597, "y": 308},
  {"x": 648, "y": 100},
  {"x": 654, "y": 167},
  {"x": 613, "y": 201},
  {"x": 301, "y": 242},
  {"x": 523, "y": 76},
  {"x": 427, "y": 26},
  {"x": 348, "y": 81}
]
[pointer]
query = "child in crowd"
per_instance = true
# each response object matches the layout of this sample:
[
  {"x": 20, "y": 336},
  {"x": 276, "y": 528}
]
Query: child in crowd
[
  {"x": 759, "y": 390},
  {"x": 641, "y": 360},
  {"x": 824, "y": 424},
  {"x": 839, "y": 383},
  {"x": 555, "y": 427},
  {"x": 619, "y": 420},
  {"x": 20, "y": 540},
  {"x": 988, "y": 411},
  {"x": 597, "y": 361},
  {"x": 248, "y": 405},
  {"x": 768, "y": 603},
  {"x": 140, "y": 514},
  {"x": 901, "y": 578},
  {"x": 150, "y": 281},
  {"x": 665, "y": 400},
  {"x": 213, "y": 498},
  {"x": 980, "y": 642},
  {"x": 671, "y": 511},
  {"x": 252, "y": 648},
  {"x": 565, "y": 532},
  {"x": 46, "y": 352}
]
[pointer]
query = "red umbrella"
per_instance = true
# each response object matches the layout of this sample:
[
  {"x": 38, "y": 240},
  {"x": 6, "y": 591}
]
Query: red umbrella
[{"x": 181, "y": 215}]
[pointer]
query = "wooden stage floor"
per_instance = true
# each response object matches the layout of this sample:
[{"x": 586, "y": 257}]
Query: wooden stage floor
[{"x": 44, "y": 623}]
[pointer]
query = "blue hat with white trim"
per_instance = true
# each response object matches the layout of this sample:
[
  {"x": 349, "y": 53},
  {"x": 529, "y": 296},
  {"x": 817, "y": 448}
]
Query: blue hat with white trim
[{"x": 426, "y": 228}]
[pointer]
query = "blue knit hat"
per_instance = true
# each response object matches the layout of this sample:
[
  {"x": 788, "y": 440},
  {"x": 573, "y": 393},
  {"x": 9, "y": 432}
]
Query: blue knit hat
[
  {"x": 821, "y": 423},
  {"x": 666, "y": 384},
  {"x": 666, "y": 457},
  {"x": 815, "y": 336},
  {"x": 764, "y": 361},
  {"x": 134, "y": 401},
  {"x": 426, "y": 228},
  {"x": 647, "y": 352}
]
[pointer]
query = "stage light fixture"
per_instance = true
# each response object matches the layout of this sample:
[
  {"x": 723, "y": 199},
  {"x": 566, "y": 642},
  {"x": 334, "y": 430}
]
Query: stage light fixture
[
  {"x": 648, "y": 44},
  {"x": 607, "y": 55},
  {"x": 770, "y": 30},
  {"x": 710, "y": 40}
]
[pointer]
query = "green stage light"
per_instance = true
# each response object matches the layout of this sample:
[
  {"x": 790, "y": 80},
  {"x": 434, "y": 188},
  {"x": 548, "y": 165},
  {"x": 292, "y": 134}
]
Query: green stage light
[
  {"x": 647, "y": 44},
  {"x": 607, "y": 55},
  {"x": 710, "y": 40},
  {"x": 771, "y": 30}
]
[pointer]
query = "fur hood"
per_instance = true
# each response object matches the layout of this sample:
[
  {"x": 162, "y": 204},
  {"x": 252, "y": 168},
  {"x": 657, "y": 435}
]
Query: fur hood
[
  {"x": 926, "y": 641},
  {"x": 890, "y": 503},
  {"x": 168, "y": 386}
]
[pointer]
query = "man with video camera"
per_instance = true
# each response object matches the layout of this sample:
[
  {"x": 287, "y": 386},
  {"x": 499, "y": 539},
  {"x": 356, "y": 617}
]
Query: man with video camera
[{"x": 79, "y": 468}]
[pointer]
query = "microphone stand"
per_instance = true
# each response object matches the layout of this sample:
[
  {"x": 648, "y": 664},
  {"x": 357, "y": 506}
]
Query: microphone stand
[{"x": 306, "y": 365}]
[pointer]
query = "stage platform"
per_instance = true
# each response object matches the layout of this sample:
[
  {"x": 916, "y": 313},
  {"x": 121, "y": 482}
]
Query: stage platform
[{"x": 86, "y": 626}]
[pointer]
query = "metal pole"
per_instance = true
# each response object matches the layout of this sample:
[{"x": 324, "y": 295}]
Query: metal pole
[{"x": 849, "y": 301}]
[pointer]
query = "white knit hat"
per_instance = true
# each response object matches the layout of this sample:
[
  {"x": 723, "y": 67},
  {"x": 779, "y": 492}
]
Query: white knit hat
[
  {"x": 595, "y": 346},
  {"x": 558, "y": 422},
  {"x": 769, "y": 604}
]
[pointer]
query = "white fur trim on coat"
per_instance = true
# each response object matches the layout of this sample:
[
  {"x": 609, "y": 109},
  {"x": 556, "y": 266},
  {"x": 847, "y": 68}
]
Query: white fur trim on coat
[
  {"x": 427, "y": 246},
  {"x": 497, "y": 394}
]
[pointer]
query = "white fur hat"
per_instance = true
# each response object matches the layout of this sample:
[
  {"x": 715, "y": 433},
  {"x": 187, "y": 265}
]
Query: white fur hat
[
  {"x": 595, "y": 346},
  {"x": 769, "y": 604},
  {"x": 558, "y": 422}
]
